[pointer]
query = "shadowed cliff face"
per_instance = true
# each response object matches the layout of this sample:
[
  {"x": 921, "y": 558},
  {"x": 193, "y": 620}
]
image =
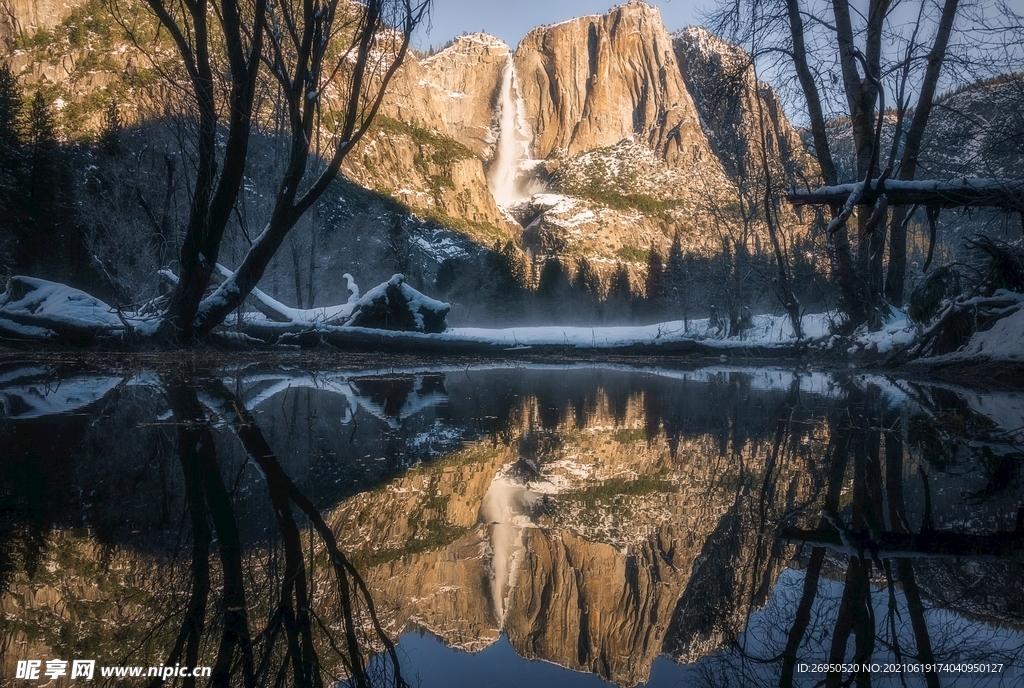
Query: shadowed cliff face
[
  {"x": 597, "y": 518},
  {"x": 720, "y": 78}
]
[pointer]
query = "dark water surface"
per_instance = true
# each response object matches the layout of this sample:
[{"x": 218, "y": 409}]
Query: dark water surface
[{"x": 577, "y": 525}]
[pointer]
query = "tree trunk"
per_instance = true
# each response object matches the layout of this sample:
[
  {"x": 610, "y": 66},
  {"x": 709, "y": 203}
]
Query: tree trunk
[
  {"x": 296, "y": 273},
  {"x": 366, "y": 94},
  {"x": 213, "y": 197},
  {"x": 897, "y": 271},
  {"x": 861, "y": 96},
  {"x": 785, "y": 282},
  {"x": 849, "y": 286},
  {"x": 954, "y": 193}
]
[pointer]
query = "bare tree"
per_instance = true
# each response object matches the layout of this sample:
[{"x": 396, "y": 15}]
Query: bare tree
[
  {"x": 841, "y": 65},
  {"x": 758, "y": 162},
  {"x": 897, "y": 271},
  {"x": 198, "y": 29},
  {"x": 321, "y": 54}
]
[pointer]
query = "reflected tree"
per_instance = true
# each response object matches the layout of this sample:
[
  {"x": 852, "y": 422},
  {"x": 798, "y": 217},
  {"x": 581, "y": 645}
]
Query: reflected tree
[
  {"x": 866, "y": 544},
  {"x": 290, "y": 643}
]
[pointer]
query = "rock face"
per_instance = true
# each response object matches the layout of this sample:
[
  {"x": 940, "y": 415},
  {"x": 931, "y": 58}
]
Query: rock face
[
  {"x": 628, "y": 125},
  {"x": 19, "y": 17},
  {"x": 438, "y": 135},
  {"x": 720, "y": 78},
  {"x": 594, "y": 81},
  {"x": 469, "y": 74}
]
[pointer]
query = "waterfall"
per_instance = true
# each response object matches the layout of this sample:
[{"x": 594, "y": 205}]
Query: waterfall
[{"x": 513, "y": 145}]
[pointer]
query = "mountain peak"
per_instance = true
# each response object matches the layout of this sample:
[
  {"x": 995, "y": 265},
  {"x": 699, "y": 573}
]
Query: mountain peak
[
  {"x": 698, "y": 40},
  {"x": 473, "y": 44},
  {"x": 594, "y": 81}
]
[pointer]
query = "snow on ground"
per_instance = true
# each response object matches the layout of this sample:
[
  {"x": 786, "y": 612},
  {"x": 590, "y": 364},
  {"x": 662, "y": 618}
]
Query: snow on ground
[
  {"x": 1003, "y": 342},
  {"x": 768, "y": 331},
  {"x": 897, "y": 332}
]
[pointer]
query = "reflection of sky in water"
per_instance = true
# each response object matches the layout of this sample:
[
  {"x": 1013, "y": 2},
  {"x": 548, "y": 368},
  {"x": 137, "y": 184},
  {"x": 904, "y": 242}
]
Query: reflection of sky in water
[
  {"x": 427, "y": 659},
  {"x": 429, "y": 663},
  {"x": 955, "y": 638}
]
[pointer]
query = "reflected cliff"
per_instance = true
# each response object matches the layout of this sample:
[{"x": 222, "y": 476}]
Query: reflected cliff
[{"x": 711, "y": 526}]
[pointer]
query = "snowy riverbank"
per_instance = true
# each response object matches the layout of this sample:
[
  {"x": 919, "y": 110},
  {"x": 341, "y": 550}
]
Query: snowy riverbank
[{"x": 50, "y": 311}]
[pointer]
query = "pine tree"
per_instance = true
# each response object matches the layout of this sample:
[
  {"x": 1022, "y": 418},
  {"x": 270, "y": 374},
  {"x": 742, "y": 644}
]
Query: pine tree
[
  {"x": 587, "y": 280},
  {"x": 621, "y": 299},
  {"x": 10, "y": 163},
  {"x": 10, "y": 116},
  {"x": 507, "y": 274},
  {"x": 37, "y": 234},
  {"x": 587, "y": 290},
  {"x": 518, "y": 267},
  {"x": 675, "y": 274},
  {"x": 113, "y": 127},
  {"x": 620, "y": 286},
  {"x": 41, "y": 136},
  {"x": 654, "y": 286},
  {"x": 676, "y": 288},
  {"x": 554, "y": 279}
]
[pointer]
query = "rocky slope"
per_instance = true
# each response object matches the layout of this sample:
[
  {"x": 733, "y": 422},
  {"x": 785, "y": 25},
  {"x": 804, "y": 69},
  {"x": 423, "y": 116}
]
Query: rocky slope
[
  {"x": 720, "y": 78},
  {"x": 25, "y": 17},
  {"x": 600, "y": 137}
]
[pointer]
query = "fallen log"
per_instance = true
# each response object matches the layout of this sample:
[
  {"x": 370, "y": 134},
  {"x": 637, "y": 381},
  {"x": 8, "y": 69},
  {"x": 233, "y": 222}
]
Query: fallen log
[
  {"x": 278, "y": 312},
  {"x": 34, "y": 308},
  {"x": 926, "y": 544},
  {"x": 369, "y": 340},
  {"x": 954, "y": 193}
]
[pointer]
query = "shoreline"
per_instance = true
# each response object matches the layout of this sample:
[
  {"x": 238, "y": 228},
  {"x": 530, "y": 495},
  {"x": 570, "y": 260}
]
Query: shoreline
[{"x": 975, "y": 374}]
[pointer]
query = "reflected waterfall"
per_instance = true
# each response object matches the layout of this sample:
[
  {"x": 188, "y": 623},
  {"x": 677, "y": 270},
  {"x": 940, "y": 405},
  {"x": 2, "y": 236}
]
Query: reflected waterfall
[{"x": 505, "y": 509}]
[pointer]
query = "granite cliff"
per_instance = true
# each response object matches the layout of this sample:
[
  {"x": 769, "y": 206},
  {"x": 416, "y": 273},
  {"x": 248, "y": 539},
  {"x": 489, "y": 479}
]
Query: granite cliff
[{"x": 597, "y": 137}]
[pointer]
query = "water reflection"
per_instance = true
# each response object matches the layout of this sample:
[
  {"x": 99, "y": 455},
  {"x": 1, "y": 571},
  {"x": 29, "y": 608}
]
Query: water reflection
[{"x": 285, "y": 525}]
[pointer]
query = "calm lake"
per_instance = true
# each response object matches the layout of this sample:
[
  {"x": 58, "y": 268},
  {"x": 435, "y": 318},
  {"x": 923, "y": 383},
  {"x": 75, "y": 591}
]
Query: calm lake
[{"x": 511, "y": 525}]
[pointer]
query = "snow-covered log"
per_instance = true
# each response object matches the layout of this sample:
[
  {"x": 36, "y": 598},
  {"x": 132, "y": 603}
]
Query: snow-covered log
[
  {"x": 936, "y": 543},
  {"x": 991, "y": 193},
  {"x": 278, "y": 312},
  {"x": 394, "y": 305},
  {"x": 33, "y": 309}
]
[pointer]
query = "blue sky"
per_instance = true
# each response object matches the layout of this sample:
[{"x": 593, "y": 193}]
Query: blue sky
[{"x": 509, "y": 20}]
